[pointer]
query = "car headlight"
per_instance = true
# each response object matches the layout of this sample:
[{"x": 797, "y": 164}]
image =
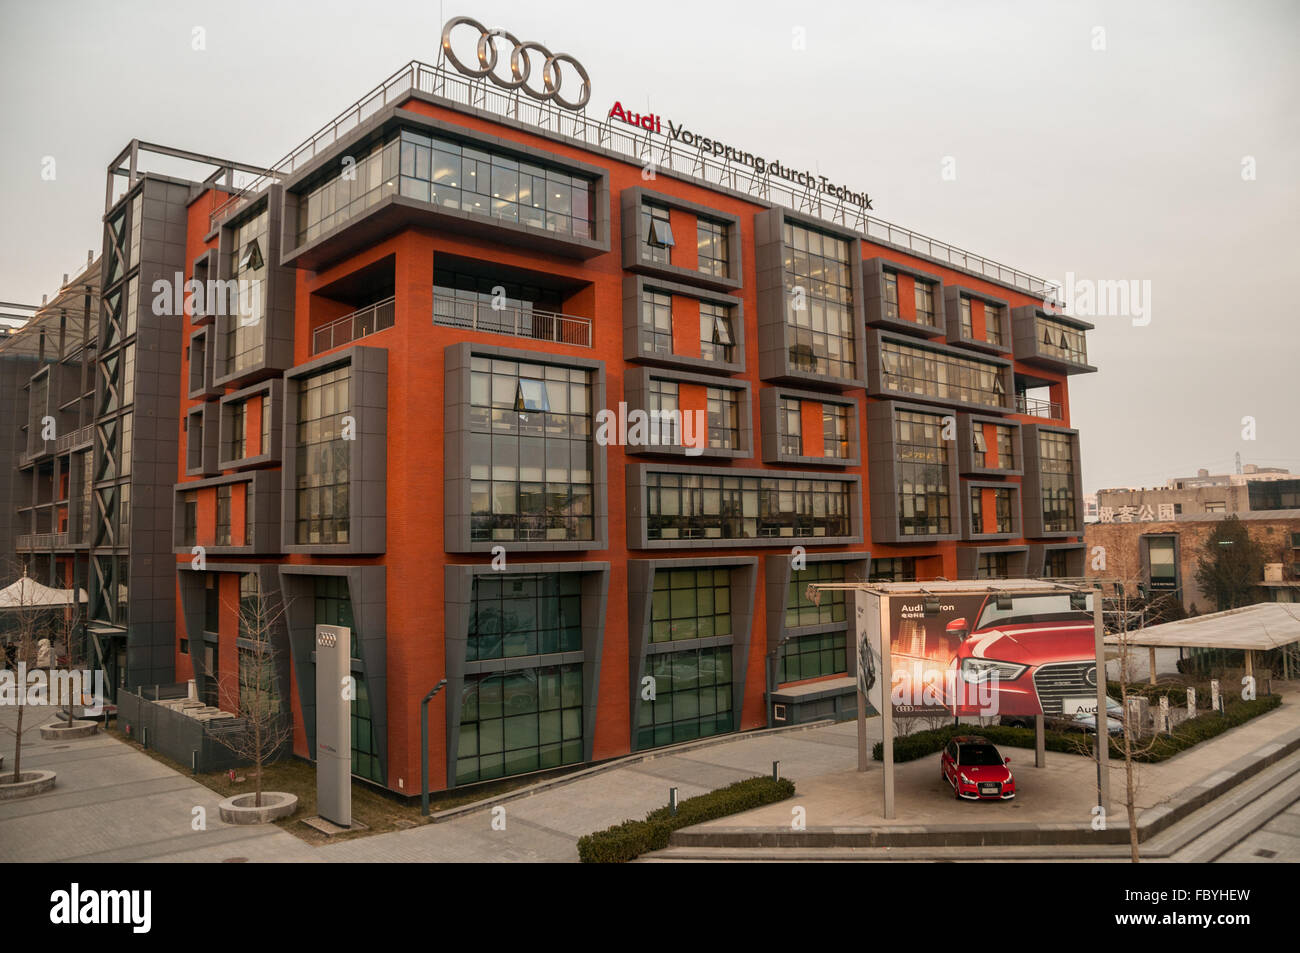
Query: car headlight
[
  {"x": 964, "y": 779},
  {"x": 977, "y": 670}
]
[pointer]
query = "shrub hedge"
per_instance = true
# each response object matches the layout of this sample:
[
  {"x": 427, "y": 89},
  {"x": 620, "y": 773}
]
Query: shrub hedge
[
  {"x": 1189, "y": 733},
  {"x": 631, "y": 839}
]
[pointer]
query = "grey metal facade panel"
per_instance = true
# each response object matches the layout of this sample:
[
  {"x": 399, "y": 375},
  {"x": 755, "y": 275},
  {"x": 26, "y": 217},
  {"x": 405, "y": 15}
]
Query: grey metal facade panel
[
  {"x": 1075, "y": 556},
  {"x": 956, "y": 334},
  {"x": 456, "y": 412},
  {"x": 773, "y": 427},
  {"x": 1028, "y": 344},
  {"x": 630, "y": 202},
  {"x": 744, "y": 585},
  {"x": 393, "y": 212},
  {"x": 968, "y": 560},
  {"x": 778, "y": 569},
  {"x": 769, "y": 253},
  {"x": 459, "y": 601},
  {"x": 367, "y": 590},
  {"x": 636, "y": 382},
  {"x": 1032, "y": 483},
  {"x": 201, "y": 440},
  {"x": 873, "y": 280},
  {"x": 261, "y": 513},
  {"x": 876, "y": 372},
  {"x": 635, "y": 287},
  {"x": 203, "y": 269},
  {"x": 969, "y": 530},
  {"x": 883, "y": 472},
  {"x": 966, "y": 459},
  {"x": 368, "y": 467},
  {"x": 637, "y": 508}
]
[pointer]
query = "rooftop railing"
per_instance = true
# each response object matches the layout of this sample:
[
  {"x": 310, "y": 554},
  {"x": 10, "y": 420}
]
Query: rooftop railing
[{"x": 639, "y": 146}]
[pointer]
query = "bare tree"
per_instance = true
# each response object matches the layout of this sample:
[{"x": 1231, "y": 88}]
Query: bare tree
[
  {"x": 67, "y": 626},
  {"x": 263, "y": 727},
  {"x": 26, "y": 624}
]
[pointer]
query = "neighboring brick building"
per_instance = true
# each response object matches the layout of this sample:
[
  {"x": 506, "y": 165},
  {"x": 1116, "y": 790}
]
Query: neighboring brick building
[
  {"x": 1162, "y": 555},
  {"x": 445, "y": 298}
]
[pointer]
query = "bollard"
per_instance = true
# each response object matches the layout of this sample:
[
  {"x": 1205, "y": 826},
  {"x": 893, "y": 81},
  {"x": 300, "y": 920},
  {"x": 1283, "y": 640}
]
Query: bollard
[
  {"x": 776, "y": 770},
  {"x": 194, "y": 761},
  {"x": 672, "y": 800}
]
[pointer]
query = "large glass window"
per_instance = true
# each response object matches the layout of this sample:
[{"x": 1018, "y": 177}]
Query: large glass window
[
  {"x": 924, "y": 294},
  {"x": 992, "y": 323},
  {"x": 373, "y": 177},
  {"x": 656, "y": 234},
  {"x": 323, "y": 458},
  {"x": 1164, "y": 567},
  {"x": 923, "y": 493},
  {"x": 909, "y": 369},
  {"x": 897, "y": 569},
  {"x": 891, "y": 295},
  {"x": 819, "y": 331},
  {"x": 191, "y": 517},
  {"x": 489, "y": 303},
  {"x": 1056, "y": 564},
  {"x": 665, "y": 412},
  {"x": 1056, "y": 466},
  {"x": 712, "y": 239},
  {"x": 518, "y": 615},
  {"x": 716, "y": 340},
  {"x": 835, "y": 431},
  {"x": 1062, "y": 340},
  {"x": 245, "y": 335},
  {"x": 813, "y": 656},
  {"x": 967, "y": 326},
  {"x": 724, "y": 418},
  {"x": 519, "y": 721},
  {"x": 531, "y": 452},
  {"x": 656, "y": 323},
  {"x": 1003, "y": 502},
  {"x": 992, "y": 566},
  {"x": 690, "y": 604},
  {"x": 695, "y": 506},
  {"x": 692, "y": 696},
  {"x": 792, "y": 434},
  {"x": 238, "y": 426},
  {"x": 223, "y": 515},
  {"x": 799, "y": 611},
  {"x": 1006, "y": 447}
]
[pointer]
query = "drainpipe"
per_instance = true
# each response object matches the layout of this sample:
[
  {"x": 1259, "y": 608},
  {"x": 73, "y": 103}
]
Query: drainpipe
[{"x": 424, "y": 747}]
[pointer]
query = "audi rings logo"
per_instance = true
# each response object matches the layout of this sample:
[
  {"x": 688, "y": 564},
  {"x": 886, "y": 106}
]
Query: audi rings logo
[
  {"x": 327, "y": 639},
  {"x": 1090, "y": 676},
  {"x": 521, "y": 64}
]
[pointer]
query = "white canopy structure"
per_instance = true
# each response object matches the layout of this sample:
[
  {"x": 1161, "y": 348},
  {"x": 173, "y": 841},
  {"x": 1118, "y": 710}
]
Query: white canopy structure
[
  {"x": 27, "y": 593},
  {"x": 1250, "y": 629}
]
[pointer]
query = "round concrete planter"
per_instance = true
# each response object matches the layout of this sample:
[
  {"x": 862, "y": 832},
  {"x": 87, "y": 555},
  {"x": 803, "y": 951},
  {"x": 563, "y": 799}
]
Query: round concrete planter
[
  {"x": 77, "y": 729},
  {"x": 32, "y": 782},
  {"x": 275, "y": 805}
]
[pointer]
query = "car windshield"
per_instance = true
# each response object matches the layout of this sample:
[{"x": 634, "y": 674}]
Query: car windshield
[
  {"x": 978, "y": 755},
  {"x": 1047, "y": 607}
]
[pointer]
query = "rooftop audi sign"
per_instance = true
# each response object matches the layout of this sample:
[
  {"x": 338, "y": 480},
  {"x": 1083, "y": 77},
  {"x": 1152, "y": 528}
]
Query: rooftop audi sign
[
  {"x": 652, "y": 122},
  {"x": 522, "y": 56}
]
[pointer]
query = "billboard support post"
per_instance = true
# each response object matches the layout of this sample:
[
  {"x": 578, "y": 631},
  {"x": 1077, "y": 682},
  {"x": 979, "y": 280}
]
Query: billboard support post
[
  {"x": 860, "y": 600},
  {"x": 1102, "y": 723},
  {"x": 1040, "y": 743},
  {"x": 886, "y": 706}
]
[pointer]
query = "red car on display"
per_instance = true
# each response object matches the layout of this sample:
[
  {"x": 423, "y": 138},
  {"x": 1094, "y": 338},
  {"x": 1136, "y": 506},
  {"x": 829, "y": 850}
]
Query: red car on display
[
  {"x": 976, "y": 771},
  {"x": 1027, "y": 654}
]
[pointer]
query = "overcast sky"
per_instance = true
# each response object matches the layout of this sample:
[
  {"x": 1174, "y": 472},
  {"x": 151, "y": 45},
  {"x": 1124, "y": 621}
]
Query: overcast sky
[{"x": 1114, "y": 141}]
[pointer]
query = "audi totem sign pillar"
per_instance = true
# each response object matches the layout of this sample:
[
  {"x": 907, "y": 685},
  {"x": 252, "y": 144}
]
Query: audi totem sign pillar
[{"x": 333, "y": 724}]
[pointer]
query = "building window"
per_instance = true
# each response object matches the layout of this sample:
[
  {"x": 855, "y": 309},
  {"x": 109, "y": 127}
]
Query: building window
[
  {"x": 211, "y": 603},
  {"x": 923, "y": 501},
  {"x": 238, "y": 428},
  {"x": 692, "y": 697},
  {"x": 801, "y": 612},
  {"x": 246, "y": 334},
  {"x": 923, "y": 372},
  {"x": 813, "y": 656},
  {"x": 665, "y": 412},
  {"x": 519, "y": 721},
  {"x": 724, "y": 418},
  {"x": 924, "y": 303},
  {"x": 1219, "y": 507},
  {"x": 520, "y": 615},
  {"x": 323, "y": 458},
  {"x": 716, "y": 341},
  {"x": 656, "y": 323},
  {"x": 992, "y": 566},
  {"x": 1006, "y": 448},
  {"x": 835, "y": 431},
  {"x": 1056, "y": 464},
  {"x": 980, "y": 445},
  {"x": 690, "y": 604},
  {"x": 712, "y": 239},
  {"x": 1002, "y": 510},
  {"x": 531, "y": 452},
  {"x": 1056, "y": 564},
  {"x": 967, "y": 327},
  {"x": 191, "y": 524},
  {"x": 976, "y": 510},
  {"x": 223, "y": 515},
  {"x": 792, "y": 435},
  {"x": 891, "y": 295},
  {"x": 656, "y": 234},
  {"x": 993, "y": 324},
  {"x": 898, "y": 569},
  {"x": 266, "y": 423},
  {"x": 694, "y": 506},
  {"x": 1163, "y": 565},
  {"x": 819, "y": 333},
  {"x": 1062, "y": 341}
]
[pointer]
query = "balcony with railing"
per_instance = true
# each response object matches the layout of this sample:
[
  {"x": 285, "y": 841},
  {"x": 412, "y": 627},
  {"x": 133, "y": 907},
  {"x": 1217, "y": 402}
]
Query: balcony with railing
[
  {"x": 514, "y": 320},
  {"x": 1035, "y": 407},
  {"x": 373, "y": 317}
]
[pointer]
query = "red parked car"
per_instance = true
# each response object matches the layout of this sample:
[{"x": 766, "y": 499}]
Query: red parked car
[
  {"x": 976, "y": 771},
  {"x": 1038, "y": 647}
]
